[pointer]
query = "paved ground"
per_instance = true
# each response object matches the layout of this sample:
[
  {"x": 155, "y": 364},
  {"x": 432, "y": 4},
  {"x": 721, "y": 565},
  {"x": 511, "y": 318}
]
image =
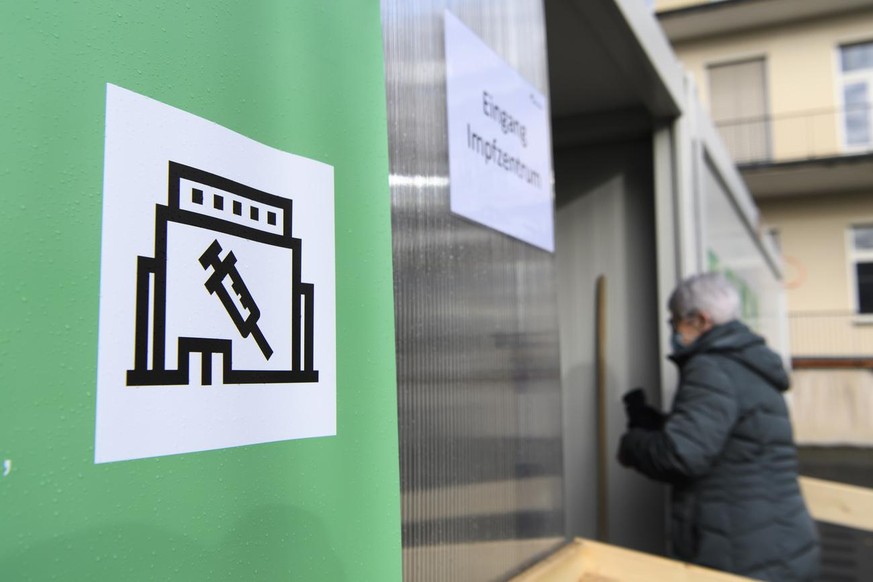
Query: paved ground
[{"x": 852, "y": 465}]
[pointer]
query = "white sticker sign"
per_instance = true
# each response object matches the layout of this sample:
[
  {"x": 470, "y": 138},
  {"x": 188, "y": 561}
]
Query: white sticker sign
[
  {"x": 217, "y": 291},
  {"x": 500, "y": 156}
]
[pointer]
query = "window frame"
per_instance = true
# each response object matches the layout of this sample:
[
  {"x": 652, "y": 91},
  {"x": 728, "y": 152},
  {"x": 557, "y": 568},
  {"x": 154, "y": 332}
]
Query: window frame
[
  {"x": 848, "y": 78},
  {"x": 740, "y": 58},
  {"x": 854, "y": 257}
]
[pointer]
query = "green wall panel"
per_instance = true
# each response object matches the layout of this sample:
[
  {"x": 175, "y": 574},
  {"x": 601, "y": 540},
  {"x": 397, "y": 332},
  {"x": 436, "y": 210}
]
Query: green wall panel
[{"x": 303, "y": 77}]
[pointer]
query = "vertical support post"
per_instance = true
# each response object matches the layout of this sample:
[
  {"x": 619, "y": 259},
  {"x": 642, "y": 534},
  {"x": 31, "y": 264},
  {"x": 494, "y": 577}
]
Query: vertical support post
[{"x": 602, "y": 434}]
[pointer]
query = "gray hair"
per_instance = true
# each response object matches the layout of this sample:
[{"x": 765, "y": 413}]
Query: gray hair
[{"x": 710, "y": 293}]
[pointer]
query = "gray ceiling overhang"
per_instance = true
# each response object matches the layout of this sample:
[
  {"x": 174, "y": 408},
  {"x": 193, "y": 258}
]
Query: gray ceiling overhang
[{"x": 610, "y": 56}]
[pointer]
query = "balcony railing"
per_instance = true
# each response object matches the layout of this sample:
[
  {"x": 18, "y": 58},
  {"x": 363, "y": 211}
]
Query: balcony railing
[
  {"x": 806, "y": 135},
  {"x": 831, "y": 334}
]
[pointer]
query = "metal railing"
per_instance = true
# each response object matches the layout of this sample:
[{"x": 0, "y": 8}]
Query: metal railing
[
  {"x": 831, "y": 334},
  {"x": 804, "y": 135}
]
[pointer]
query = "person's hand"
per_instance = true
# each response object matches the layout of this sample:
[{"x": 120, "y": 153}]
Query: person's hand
[{"x": 639, "y": 413}]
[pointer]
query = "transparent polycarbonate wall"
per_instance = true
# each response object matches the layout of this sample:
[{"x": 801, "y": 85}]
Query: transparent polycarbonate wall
[
  {"x": 476, "y": 322},
  {"x": 730, "y": 248}
]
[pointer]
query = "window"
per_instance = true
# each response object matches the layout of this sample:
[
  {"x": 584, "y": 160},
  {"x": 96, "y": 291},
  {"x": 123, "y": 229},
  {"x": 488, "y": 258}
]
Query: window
[
  {"x": 862, "y": 259},
  {"x": 856, "y": 67},
  {"x": 738, "y": 103}
]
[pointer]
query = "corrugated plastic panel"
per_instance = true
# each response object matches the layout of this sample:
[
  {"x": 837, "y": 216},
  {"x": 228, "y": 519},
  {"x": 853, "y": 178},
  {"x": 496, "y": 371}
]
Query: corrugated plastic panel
[{"x": 477, "y": 326}]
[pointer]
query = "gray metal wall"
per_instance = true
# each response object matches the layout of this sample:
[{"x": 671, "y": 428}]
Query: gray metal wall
[
  {"x": 477, "y": 328},
  {"x": 606, "y": 226}
]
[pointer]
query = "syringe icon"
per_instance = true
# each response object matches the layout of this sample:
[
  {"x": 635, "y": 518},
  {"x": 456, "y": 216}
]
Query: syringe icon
[{"x": 238, "y": 298}]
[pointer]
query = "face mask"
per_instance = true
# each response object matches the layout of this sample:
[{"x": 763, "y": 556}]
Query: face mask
[{"x": 676, "y": 342}]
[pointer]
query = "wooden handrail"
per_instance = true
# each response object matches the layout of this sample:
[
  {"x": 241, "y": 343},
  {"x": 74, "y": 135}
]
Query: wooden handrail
[
  {"x": 837, "y": 503},
  {"x": 603, "y": 449}
]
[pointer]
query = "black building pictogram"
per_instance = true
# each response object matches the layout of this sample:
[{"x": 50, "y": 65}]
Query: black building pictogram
[{"x": 217, "y": 206}]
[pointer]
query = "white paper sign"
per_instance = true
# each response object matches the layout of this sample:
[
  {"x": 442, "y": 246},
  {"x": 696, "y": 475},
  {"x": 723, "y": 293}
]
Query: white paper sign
[
  {"x": 217, "y": 291},
  {"x": 500, "y": 156}
]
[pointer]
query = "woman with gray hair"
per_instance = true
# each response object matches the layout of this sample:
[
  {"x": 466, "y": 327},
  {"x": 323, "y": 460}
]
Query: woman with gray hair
[{"x": 726, "y": 447}]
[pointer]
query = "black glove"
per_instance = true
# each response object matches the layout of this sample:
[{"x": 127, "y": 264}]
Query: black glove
[
  {"x": 640, "y": 414},
  {"x": 622, "y": 456}
]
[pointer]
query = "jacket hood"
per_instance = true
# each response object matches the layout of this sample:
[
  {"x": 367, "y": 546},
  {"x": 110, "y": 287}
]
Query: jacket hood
[{"x": 738, "y": 342}]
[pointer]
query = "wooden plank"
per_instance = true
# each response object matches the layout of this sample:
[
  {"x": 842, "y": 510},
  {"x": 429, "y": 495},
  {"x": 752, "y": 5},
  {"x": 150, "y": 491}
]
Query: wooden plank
[
  {"x": 589, "y": 561},
  {"x": 565, "y": 565},
  {"x": 837, "y": 503}
]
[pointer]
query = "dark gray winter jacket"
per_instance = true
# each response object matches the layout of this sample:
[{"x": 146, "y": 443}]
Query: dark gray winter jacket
[{"x": 727, "y": 448}]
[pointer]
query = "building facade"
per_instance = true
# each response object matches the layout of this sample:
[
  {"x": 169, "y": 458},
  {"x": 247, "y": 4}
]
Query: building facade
[{"x": 789, "y": 86}]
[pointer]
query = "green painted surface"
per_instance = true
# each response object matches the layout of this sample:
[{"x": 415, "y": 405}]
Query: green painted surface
[
  {"x": 749, "y": 297},
  {"x": 302, "y": 77}
]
